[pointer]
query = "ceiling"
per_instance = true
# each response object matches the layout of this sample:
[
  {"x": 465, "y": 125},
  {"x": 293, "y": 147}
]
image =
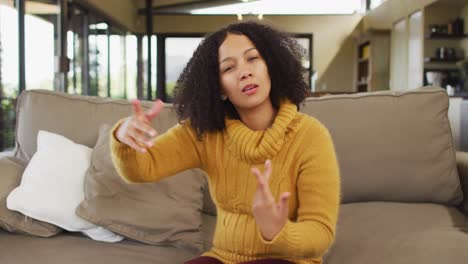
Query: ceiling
[
  {"x": 164, "y": 3},
  {"x": 456, "y": 3},
  {"x": 142, "y": 3},
  {"x": 385, "y": 15},
  {"x": 181, "y": 6},
  {"x": 279, "y": 7}
]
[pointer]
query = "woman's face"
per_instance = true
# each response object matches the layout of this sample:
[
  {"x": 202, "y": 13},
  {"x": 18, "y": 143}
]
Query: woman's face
[{"x": 243, "y": 73}]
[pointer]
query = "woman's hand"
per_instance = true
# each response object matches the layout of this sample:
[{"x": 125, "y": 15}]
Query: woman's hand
[
  {"x": 269, "y": 215},
  {"x": 136, "y": 130}
]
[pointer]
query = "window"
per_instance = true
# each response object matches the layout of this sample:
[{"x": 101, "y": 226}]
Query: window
[
  {"x": 178, "y": 52},
  {"x": 8, "y": 73},
  {"x": 8, "y": 50},
  {"x": 153, "y": 66},
  {"x": 40, "y": 44},
  {"x": 75, "y": 51},
  {"x": 130, "y": 66},
  {"x": 98, "y": 54},
  {"x": 118, "y": 65},
  {"x": 305, "y": 40},
  {"x": 102, "y": 56}
]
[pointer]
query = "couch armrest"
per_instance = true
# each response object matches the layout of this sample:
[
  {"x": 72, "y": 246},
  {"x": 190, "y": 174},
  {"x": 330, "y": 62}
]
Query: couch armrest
[{"x": 462, "y": 166}]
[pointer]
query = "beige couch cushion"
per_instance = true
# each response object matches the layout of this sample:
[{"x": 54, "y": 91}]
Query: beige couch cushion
[
  {"x": 388, "y": 233},
  {"x": 11, "y": 170},
  {"x": 163, "y": 213},
  {"x": 68, "y": 248},
  {"x": 392, "y": 146}
]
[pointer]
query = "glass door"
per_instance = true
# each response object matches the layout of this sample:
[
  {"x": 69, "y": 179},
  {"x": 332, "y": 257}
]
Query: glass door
[{"x": 9, "y": 63}]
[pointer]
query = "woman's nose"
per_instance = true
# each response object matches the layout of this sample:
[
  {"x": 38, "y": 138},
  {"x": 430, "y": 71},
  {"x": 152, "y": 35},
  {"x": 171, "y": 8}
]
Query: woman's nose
[{"x": 245, "y": 75}]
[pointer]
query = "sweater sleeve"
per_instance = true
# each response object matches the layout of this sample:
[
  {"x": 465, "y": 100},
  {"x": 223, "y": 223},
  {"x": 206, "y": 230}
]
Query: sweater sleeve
[
  {"x": 176, "y": 150},
  {"x": 318, "y": 193}
]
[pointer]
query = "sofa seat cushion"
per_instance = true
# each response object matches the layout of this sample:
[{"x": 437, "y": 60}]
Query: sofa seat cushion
[
  {"x": 379, "y": 232},
  {"x": 74, "y": 248}
]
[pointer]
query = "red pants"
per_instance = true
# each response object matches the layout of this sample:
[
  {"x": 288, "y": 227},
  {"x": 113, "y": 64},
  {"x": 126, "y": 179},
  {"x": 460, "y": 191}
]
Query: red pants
[{"x": 210, "y": 260}]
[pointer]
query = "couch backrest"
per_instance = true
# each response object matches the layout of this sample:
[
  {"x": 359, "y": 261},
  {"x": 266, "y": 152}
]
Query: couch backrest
[
  {"x": 76, "y": 117},
  {"x": 392, "y": 146}
]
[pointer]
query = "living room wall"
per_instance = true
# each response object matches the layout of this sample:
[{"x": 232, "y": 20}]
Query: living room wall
[{"x": 390, "y": 11}]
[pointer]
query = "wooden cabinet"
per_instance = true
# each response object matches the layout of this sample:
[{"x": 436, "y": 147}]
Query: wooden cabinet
[{"x": 373, "y": 56}]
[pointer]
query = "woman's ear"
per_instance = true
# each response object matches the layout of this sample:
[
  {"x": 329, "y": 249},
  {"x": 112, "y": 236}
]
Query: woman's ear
[{"x": 223, "y": 97}]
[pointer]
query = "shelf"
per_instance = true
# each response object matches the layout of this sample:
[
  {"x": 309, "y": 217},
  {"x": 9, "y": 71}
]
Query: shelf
[
  {"x": 445, "y": 36},
  {"x": 439, "y": 69},
  {"x": 363, "y": 60},
  {"x": 362, "y": 89},
  {"x": 437, "y": 60}
]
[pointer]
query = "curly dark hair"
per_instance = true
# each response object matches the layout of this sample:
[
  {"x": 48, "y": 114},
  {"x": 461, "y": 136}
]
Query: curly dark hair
[{"x": 198, "y": 89}]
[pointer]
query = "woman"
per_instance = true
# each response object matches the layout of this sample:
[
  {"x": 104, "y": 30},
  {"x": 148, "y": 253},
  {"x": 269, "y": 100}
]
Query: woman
[{"x": 237, "y": 100}]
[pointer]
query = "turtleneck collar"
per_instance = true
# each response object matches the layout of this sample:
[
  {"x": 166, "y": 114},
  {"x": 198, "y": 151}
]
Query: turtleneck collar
[{"x": 257, "y": 146}]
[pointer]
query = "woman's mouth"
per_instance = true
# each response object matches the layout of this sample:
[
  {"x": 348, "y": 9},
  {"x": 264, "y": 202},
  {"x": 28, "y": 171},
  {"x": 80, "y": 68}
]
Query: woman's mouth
[{"x": 250, "y": 89}]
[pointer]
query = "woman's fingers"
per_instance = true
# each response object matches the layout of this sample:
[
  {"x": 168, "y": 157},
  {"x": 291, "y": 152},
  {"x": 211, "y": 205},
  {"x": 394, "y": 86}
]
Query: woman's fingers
[
  {"x": 158, "y": 105},
  {"x": 144, "y": 128},
  {"x": 268, "y": 170},
  {"x": 137, "y": 110},
  {"x": 149, "y": 115},
  {"x": 284, "y": 204},
  {"x": 136, "y": 131},
  {"x": 262, "y": 184},
  {"x": 134, "y": 145},
  {"x": 140, "y": 120},
  {"x": 259, "y": 177},
  {"x": 140, "y": 138}
]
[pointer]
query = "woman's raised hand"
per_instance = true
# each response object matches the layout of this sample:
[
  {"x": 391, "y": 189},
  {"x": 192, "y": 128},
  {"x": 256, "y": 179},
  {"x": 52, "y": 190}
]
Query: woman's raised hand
[
  {"x": 269, "y": 215},
  {"x": 136, "y": 130}
]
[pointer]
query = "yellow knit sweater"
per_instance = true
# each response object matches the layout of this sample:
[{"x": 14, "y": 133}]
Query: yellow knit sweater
[{"x": 303, "y": 162}]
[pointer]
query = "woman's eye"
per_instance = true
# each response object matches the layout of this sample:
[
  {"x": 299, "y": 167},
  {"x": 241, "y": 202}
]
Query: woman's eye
[
  {"x": 227, "y": 69},
  {"x": 252, "y": 58}
]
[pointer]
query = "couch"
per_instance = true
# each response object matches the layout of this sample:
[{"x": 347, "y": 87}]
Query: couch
[{"x": 404, "y": 186}]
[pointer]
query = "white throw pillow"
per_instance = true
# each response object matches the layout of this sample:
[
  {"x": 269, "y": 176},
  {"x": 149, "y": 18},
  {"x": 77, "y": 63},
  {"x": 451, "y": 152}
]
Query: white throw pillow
[{"x": 52, "y": 186}]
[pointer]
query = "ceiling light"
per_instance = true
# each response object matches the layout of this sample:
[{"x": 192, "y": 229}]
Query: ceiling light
[{"x": 98, "y": 26}]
